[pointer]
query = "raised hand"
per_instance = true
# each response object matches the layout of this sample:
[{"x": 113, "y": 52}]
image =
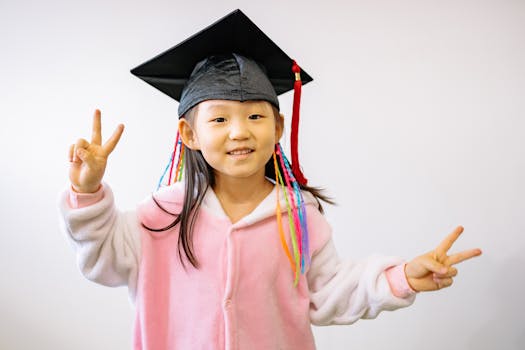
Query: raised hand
[
  {"x": 88, "y": 160},
  {"x": 433, "y": 270}
]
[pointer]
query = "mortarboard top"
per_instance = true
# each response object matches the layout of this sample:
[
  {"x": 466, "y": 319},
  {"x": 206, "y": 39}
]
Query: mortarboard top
[{"x": 170, "y": 71}]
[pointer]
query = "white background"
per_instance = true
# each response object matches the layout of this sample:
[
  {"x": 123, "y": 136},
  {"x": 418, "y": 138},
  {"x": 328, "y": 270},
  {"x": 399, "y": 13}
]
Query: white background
[{"x": 414, "y": 123}]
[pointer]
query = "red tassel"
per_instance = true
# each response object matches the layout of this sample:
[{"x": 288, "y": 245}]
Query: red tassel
[{"x": 296, "y": 168}]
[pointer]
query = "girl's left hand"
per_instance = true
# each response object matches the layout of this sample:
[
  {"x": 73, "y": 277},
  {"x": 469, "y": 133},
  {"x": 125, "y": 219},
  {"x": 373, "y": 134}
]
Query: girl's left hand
[{"x": 433, "y": 270}]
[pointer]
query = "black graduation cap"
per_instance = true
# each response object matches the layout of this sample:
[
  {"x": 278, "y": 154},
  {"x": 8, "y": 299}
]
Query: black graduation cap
[
  {"x": 231, "y": 59},
  {"x": 235, "y": 33}
]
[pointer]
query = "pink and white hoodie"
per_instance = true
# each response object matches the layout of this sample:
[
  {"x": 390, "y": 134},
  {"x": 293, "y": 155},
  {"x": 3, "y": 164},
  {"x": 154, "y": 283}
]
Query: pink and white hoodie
[{"x": 242, "y": 295}]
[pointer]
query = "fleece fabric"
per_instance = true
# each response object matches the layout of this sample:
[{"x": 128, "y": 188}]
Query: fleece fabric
[{"x": 242, "y": 295}]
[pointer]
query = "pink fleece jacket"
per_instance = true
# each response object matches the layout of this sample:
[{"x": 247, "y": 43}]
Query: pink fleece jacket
[{"x": 242, "y": 296}]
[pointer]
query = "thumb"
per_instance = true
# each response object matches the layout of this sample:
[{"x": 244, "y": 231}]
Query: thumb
[
  {"x": 422, "y": 265},
  {"x": 85, "y": 156},
  {"x": 434, "y": 266}
]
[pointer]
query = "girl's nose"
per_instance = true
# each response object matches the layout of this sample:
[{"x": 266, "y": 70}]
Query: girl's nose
[{"x": 239, "y": 130}]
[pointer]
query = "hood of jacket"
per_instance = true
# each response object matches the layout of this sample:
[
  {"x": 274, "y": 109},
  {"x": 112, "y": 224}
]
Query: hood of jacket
[{"x": 170, "y": 201}]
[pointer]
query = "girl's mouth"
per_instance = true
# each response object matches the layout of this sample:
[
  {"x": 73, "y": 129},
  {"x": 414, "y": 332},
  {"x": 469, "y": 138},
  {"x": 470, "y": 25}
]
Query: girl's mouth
[{"x": 237, "y": 152}]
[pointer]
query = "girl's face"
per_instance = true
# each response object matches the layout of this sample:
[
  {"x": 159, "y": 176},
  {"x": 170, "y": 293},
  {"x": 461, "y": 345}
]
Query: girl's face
[{"x": 235, "y": 138}]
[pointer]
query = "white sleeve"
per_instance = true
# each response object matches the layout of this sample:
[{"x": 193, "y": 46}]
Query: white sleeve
[
  {"x": 341, "y": 292},
  {"x": 106, "y": 241}
]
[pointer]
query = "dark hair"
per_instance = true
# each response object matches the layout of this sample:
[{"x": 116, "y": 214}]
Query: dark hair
[{"x": 198, "y": 177}]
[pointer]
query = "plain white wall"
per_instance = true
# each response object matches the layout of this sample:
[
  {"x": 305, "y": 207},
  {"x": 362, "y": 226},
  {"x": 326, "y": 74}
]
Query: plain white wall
[{"x": 414, "y": 122}]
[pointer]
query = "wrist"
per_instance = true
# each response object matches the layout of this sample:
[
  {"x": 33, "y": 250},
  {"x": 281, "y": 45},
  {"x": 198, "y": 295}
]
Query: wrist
[
  {"x": 82, "y": 189},
  {"x": 79, "y": 200},
  {"x": 408, "y": 279}
]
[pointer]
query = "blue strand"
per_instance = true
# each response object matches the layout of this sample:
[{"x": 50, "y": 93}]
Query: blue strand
[{"x": 165, "y": 171}]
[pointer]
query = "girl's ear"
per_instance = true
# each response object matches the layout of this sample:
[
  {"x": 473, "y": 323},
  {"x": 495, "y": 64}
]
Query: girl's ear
[
  {"x": 279, "y": 127},
  {"x": 188, "y": 136}
]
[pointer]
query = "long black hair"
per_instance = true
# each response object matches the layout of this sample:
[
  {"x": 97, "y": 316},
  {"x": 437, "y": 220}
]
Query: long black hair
[{"x": 198, "y": 177}]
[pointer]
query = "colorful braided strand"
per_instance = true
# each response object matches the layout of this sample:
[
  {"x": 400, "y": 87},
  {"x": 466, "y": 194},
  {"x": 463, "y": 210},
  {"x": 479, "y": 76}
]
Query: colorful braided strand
[
  {"x": 279, "y": 215},
  {"x": 296, "y": 214},
  {"x": 305, "y": 246},
  {"x": 176, "y": 162},
  {"x": 294, "y": 202},
  {"x": 296, "y": 252}
]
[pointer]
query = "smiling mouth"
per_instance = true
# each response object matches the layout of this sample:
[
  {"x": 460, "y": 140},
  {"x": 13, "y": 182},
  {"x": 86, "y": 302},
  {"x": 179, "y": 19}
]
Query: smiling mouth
[{"x": 238, "y": 152}]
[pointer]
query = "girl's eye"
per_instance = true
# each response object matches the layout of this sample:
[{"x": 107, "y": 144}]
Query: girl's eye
[
  {"x": 255, "y": 116},
  {"x": 219, "y": 120}
]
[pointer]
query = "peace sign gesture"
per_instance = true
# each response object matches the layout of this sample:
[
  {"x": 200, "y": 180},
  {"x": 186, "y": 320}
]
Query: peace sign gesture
[
  {"x": 88, "y": 160},
  {"x": 433, "y": 270}
]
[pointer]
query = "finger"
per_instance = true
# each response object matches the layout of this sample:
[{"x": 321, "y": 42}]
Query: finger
[
  {"x": 71, "y": 150},
  {"x": 452, "y": 272},
  {"x": 110, "y": 144},
  {"x": 434, "y": 266},
  {"x": 96, "y": 135},
  {"x": 462, "y": 256},
  {"x": 443, "y": 282},
  {"x": 444, "y": 246},
  {"x": 85, "y": 156},
  {"x": 80, "y": 144}
]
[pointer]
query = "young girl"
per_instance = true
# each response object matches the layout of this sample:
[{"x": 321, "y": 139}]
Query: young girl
[{"x": 236, "y": 255}]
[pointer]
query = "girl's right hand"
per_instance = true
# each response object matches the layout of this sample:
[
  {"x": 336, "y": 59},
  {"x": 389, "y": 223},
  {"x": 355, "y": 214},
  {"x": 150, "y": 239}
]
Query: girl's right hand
[{"x": 88, "y": 160}]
